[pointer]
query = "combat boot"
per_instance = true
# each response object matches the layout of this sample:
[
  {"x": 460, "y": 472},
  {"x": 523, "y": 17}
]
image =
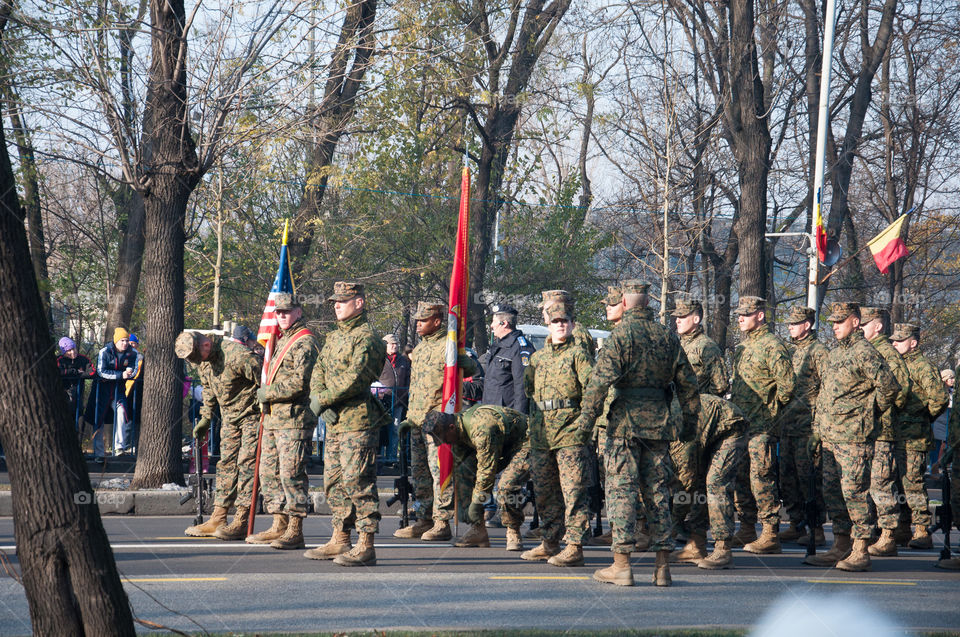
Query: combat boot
[
  {"x": 618, "y": 573},
  {"x": 572, "y": 555},
  {"x": 276, "y": 530},
  {"x": 791, "y": 533},
  {"x": 722, "y": 557},
  {"x": 439, "y": 533},
  {"x": 236, "y": 530},
  {"x": 767, "y": 543},
  {"x": 217, "y": 519},
  {"x": 859, "y": 558},
  {"x": 414, "y": 530},
  {"x": 694, "y": 551},
  {"x": 840, "y": 550},
  {"x": 514, "y": 541},
  {"x": 339, "y": 543},
  {"x": 362, "y": 554},
  {"x": 921, "y": 538},
  {"x": 746, "y": 534},
  {"x": 886, "y": 546},
  {"x": 902, "y": 534},
  {"x": 642, "y": 542},
  {"x": 819, "y": 539},
  {"x": 661, "y": 569},
  {"x": 475, "y": 537},
  {"x": 543, "y": 551},
  {"x": 292, "y": 538},
  {"x": 952, "y": 564}
]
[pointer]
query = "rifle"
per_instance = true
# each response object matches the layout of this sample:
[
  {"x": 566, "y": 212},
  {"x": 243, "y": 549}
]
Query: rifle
[
  {"x": 198, "y": 494},
  {"x": 402, "y": 489},
  {"x": 596, "y": 494},
  {"x": 944, "y": 510}
]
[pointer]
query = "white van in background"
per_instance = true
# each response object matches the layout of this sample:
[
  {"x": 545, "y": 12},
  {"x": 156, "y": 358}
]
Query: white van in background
[{"x": 537, "y": 334}]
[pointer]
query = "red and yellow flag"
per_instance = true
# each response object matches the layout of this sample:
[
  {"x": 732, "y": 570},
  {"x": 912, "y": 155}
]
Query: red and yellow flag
[
  {"x": 456, "y": 323},
  {"x": 887, "y": 246},
  {"x": 820, "y": 232}
]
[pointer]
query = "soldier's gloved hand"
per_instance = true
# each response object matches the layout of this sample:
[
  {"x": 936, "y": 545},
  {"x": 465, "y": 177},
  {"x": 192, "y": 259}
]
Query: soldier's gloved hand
[
  {"x": 200, "y": 430},
  {"x": 813, "y": 445},
  {"x": 262, "y": 395},
  {"x": 315, "y": 405},
  {"x": 475, "y": 513},
  {"x": 330, "y": 417}
]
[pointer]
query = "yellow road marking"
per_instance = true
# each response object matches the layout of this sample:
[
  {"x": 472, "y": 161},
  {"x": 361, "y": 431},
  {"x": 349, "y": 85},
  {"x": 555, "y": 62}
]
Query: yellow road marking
[
  {"x": 560, "y": 577},
  {"x": 185, "y": 537},
  {"x": 175, "y": 579},
  {"x": 858, "y": 581}
]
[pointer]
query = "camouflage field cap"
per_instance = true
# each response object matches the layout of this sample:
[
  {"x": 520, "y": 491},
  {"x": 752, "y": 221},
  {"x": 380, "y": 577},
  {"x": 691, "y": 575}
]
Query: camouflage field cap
[
  {"x": 842, "y": 310},
  {"x": 187, "y": 346},
  {"x": 800, "y": 313},
  {"x": 346, "y": 290},
  {"x": 428, "y": 309},
  {"x": 685, "y": 305},
  {"x": 614, "y": 295},
  {"x": 868, "y": 314},
  {"x": 390, "y": 338},
  {"x": 285, "y": 302},
  {"x": 634, "y": 286},
  {"x": 552, "y": 296},
  {"x": 750, "y": 304},
  {"x": 557, "y": 311},
  {"x": 905, "y": 331}
]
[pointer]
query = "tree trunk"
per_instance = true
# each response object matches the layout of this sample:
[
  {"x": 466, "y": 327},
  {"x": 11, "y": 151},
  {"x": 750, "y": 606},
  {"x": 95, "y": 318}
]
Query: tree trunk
[
  {"x": 128, "y": 204},
  {"x": 69, "y": 575}
]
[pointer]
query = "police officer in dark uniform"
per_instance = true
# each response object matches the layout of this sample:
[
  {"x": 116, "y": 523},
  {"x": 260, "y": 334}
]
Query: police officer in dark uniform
[{"x": 509, "y": 356}]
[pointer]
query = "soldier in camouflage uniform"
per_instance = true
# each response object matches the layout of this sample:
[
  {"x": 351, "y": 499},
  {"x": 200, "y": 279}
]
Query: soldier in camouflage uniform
[
  {"x": 554, "y": 381},
  {"x": 884, "y": 483},
  {"x": 351, "y": 359},
  {"x": 287, "y": 426},
  {"x": 796, "y": 425},
  {"x": 581, "y": 335},
  {"x": 927, "y": 400},
  {"x": 706, "y": 359},
  {"x": 427, "y": 365},
  {"x": 485, "y": 440},
  {"x": 949, "y": 457},
  {"x": 763, "y": 383},
  {"x": 643, "y": 360},
  {"x": 230, "y": 375},
  {"x": 855, "y": 387}
]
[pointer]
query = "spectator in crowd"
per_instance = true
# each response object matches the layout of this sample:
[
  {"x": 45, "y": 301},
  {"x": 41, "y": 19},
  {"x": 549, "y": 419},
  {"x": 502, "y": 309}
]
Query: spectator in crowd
[
  {"x": 395, "y": 378},
  {"x": 135, "y": 392},
  {"x": 116, "y": 363},
  {"x": 940, "y": 424},
  {"x": 74, "y": 368}
]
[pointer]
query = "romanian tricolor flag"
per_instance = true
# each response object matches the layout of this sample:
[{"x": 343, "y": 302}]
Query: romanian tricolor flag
[
  {"x": 269, "y": 331},
  {"x": 820, "y": 232},
  {"x": 456, "y": 323},
  {"x": 887, "y": 246}
]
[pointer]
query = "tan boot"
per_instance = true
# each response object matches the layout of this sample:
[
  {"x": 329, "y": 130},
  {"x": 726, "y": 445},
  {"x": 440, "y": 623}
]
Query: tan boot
[
  {"x": 276, "y": 530},
  {"x": 572, "y": 555},
  {"x": 544, "y": 551},
  {"x": 694, "y": 551},
  {"x": 921, "y": 538},
  {"x": 439, "y": 533},
  {"x": 722, "y": 557},
  {"x": 661, "y": 569},
  {"x": 859, "y": 558},
  {"x": 514, "y": 541},
  {"x": 642, "y": 542},
  {"x": 952, "y": 564},
  {"x": 886, "y": 546},
  {"x": 618, "y": 573},
  {"x": 746, "y": 534},
  {"x": 236, "y": 530},
  {"x": 217, "y": 519},
  {"x": 840, "y": 550},
  {"x": 339, "y": 543},
  {"x": 414, "y": 530},
  {"x": 362, "y": 554},
  {"x": 292, "y": 538},
  {"x": 767, "y": 543},
  {"x": 791, "y": 533},
  {"x": 475, "y": 537},
  {"x": 819, "y": 539}
]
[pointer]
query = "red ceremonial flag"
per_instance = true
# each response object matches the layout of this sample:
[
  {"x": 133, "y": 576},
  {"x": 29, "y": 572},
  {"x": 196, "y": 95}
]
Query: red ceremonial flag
[
  {"x": 887, "y": 246},
  {"x": 456, "y": 323},
  {"x": 820, "y": 232}
]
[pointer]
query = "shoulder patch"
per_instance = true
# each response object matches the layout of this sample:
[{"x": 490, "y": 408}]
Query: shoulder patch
[
  {"x": 523, "y": 342},
  {"x": 525, "y": 358}
]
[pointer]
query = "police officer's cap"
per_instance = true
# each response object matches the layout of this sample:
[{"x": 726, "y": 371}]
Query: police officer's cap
[{"x": 504, "y": 309}]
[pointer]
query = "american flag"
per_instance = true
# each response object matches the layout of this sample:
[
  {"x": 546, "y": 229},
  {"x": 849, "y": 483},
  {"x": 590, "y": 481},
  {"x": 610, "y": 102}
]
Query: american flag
[{"x": 269, "y": 331}]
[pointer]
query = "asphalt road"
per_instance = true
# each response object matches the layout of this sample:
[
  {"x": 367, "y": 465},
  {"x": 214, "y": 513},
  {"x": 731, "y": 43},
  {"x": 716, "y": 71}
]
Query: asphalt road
[{"x": 193, "y": 584}]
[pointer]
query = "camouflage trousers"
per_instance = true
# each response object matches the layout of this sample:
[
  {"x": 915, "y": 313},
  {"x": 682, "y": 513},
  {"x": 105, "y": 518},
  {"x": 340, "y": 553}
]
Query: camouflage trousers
[
  {"x": 238, "y": 455},
  {"x": 846, "y": 487},
  {"x": 509, "y": 488},
  {"x": 283, "y": 471},
  {"x": 425, "y": 467},
  {"x": 885, "y": 489},
  {"x": 721, "y": 461},
  {"x": 560, "y": 480},
  {"x": 350, "y": 479},
  {"x": 686, "y": 479},
  {"x": 638, "y": 466},
  {"x": 912, "y": 464},
  {"x": 796, "y": 466},
  {"x": 601, "y": 454},
  {"x": 512, "y": 461},
  {"x": 756, "y": 494}
]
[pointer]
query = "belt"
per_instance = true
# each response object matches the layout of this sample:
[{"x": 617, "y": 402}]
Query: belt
[
  {"x": 642, "y": 392},
  {"x": 558, "y": 403}
]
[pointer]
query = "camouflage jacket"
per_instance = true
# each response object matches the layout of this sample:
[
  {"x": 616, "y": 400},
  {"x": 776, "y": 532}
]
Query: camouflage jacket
[
  {"x": 706, "y": 359},
  {"x": 856, "y": 387},
  {"x": 351, "y": 359},
  {"x": 556, "y": 372},
  {"x": 719, "y": 418},
  {"x": 643, "y": 360},
  {"x": 289, "y": 393},
  {"x": 763, "y": 380},
  {"x": 494, "y": 435},
  {"x": 427, "y": 364},
  {"x": 809, "y": 364},
  {"x": 584, "y": 339},
  {"x": 890, "y": 418},
  {"x": 928, "y": 399},
  {"x": 230, "y": 378}
]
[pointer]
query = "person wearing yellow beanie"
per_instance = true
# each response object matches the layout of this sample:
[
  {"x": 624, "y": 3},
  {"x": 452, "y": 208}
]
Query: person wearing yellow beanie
[
  {"x": 116, "y": 363},
  {"x": 120, "y": 334}
]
